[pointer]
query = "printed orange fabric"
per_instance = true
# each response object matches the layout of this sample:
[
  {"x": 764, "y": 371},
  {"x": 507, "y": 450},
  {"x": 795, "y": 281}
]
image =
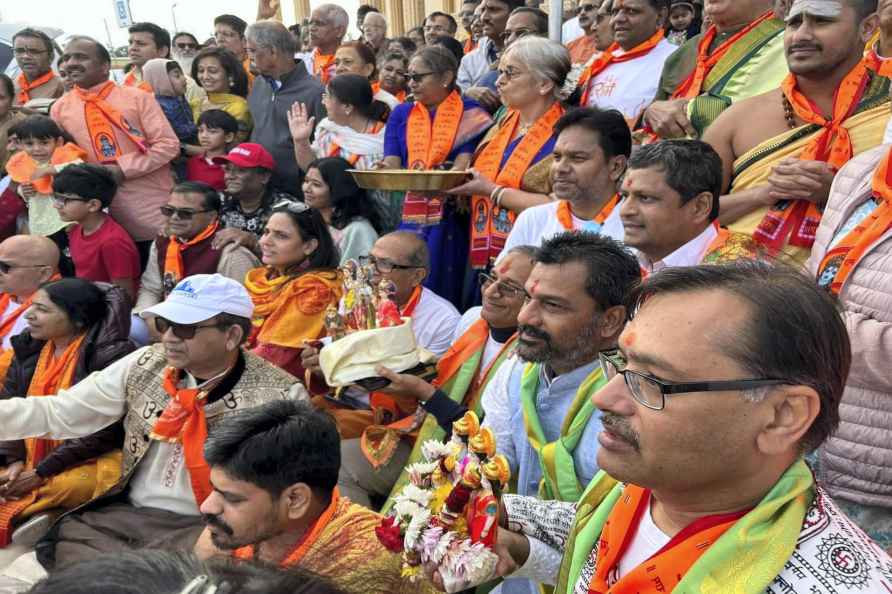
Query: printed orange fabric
[
  {"x": 798, "y": 219},
  {"x": 693, "y": 84},
  {"x": 131, "y": 80},
  {"x": 489, "y": 230},
  {"x": 428, "y": 143},
  {"x": 21, "y": 166},
  {"x": 877, "y": 64},
  {"x": 609, "y": 57},
  {"x": 25, "y": 86},
  {"x": 102, "y": 118},
  {"x": 565, "y": 214},
  {"x": 847, "y": 253},
  {"x": 173, "y": 257},
  {"x": 668, "y": 566}
]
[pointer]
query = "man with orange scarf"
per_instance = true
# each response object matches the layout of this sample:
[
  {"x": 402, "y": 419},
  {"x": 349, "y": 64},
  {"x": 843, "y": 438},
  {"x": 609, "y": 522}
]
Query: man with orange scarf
[
  {"x": 26, "y": 262},
  {"x": 187, "y": 247},
  {"x": 622, "y": 77},
  {"x": 274, "y": 470},
  {"x": 169, "y": 396},
  {"x": 780, "y": 150},
  {"x": 328, "y": 26},
  {"x": 34, "y": 54}
]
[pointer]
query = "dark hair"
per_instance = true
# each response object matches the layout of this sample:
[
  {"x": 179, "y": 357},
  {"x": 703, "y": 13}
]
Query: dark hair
[
  {"x": 356, "y": 90},
  {"x": 170, "y": 572},
  {"x": 366, "y": 53},
  {"x": 394, "y": 56},
  {"x": 690, "y": 166},
  {"x": 348, "y": 200},
  {"x": 181, "y": 33},
  {"x": 8, "y": 85},
  {"x": 453, "y": 25},
  {"x": 210, "y": 197},
  {"x": 452, "y": 44},
  {"x": 36, "y": 34},
  {"x": 613, "y": 132},
  {"x": 82, "y": 301},
  {"x": 541, "y": 17},
  {"x": 226, "y": 320},
  {"x": 87, "y": 181},
  {"x": 783, "y": 304},
  {"x": 513, "y": 4},
  {"x": 218, "y": 119},
  {"x": 276, "y": 445},
  {"x": 407, "y": 44},
  {"x": 612, "y": 270},
  {"x": 230, "y": 64},
  {"x": 173, "y": 65},
  {"x": 864, "y": 8},
  {"x": 363, "y": 10},
  {"x": 311, "y": 225},
  {"x": 439, "y": 59},
  {"x": 40, "y": 127},
  {"x": 159, "y": 35},
  {"x": 659, "y": 4},
  {"x": 419, "y": 30},
  {"x": 233, "y": 22}
]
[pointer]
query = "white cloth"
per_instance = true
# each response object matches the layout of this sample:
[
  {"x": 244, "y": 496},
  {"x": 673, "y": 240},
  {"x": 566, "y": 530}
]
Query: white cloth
[
  {"x": 690, "y": 254},
  {"x": 492, "y": 348},
  {"x": 387, "y": 98},
  {"x": 434, "y": 321},
  {"x": 648, "y": 539},
  {"x": 368, "y": 147},
  {"x": 17, "y": 327},
  {"x": 354, "y": 240},
  {"x": 474, "y": 65},
  {"x": 571, "y": 31},
  {"x": 467, "y": 320},
  {"x": 630, "y": 86},
  {"x": 535, "y": 225}
]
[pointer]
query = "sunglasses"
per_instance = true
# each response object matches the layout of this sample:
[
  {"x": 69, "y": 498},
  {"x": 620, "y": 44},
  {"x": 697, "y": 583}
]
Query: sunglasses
[
  {"x": 184, "y": 46},
  {"x": 5, "y": 267},
  {"x": 417, "y": 77},
  {"x": 181, "y": 331},
  {"x": 184, "y": 214}
]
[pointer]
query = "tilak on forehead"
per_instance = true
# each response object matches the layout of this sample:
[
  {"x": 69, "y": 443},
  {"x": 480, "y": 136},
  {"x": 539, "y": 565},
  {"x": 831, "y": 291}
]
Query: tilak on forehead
[{"x": 818, "y": 8}]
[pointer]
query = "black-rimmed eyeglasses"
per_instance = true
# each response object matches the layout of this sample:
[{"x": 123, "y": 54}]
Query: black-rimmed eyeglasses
[
  {"x": 383, "y": 265},
  {"x": 504, "y": 288}
]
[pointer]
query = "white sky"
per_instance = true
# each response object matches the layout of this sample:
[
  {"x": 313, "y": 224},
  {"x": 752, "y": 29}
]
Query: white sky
[{"x": 86, "y": 16}]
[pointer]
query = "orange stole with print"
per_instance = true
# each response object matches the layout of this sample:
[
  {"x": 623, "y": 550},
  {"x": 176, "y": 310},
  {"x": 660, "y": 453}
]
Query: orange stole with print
[
  {"x": 173, "y": 257},
  {"x": 25, "y": 86},
  {"x": 798, "y": 219},
  {"x": 664, "y": 570},
  {"x": 565, "y": 214},
  {"x": 101, "y": 119},
  {"x": 609, "y": 57},
  {"x": 21, "y": 166},
  {"x": 490, "y": 224}
]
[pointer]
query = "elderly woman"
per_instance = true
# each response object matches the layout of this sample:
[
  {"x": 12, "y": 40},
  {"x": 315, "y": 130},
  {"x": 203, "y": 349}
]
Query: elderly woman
[
  {"x": 511, "y": 168},
  {"x": 438, "y": 130},
  {"x": 392, "y": 74},
  {"x": 355, "y": 57},
  {"x": 219, "y": 72}
]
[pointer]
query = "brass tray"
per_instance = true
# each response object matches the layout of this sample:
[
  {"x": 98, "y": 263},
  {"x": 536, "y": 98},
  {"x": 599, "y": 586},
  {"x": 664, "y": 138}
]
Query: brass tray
[{"x": 406, "y": 180}]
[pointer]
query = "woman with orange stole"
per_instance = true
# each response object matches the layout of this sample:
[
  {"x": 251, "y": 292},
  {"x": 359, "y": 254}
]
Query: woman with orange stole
[
  {"x": 294, "y": 287},
  {"x": 512, "y": 164},
  {"x": 438, "y": 130},
  {"x": 75, "y": 327}
]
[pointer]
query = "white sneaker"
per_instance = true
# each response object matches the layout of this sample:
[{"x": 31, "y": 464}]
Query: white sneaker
[{"x": 33, "y": 529}]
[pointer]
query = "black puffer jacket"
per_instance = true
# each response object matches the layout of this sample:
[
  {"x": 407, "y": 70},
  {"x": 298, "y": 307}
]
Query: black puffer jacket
[{"x": 105, "y": 343}]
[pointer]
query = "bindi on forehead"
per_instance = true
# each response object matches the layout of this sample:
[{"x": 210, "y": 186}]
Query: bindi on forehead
[
  {"x": 628, "y": 339},
  {"x": 502, "y": 269}
]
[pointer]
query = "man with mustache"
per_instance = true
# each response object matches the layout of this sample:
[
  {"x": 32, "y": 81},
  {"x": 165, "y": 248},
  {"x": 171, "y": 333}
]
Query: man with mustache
[
  {"x": 328, "y": 25},
  {"x": 34, "y": 52},
  {"x": 708, "y": 413},
  {"x": 591, "y": 21},
  {"x": 169, "y": 395},
  {"x": 780, "y": 150},
  {"x": 538, "y": 405},
  {"x": 146, "y": 41}
]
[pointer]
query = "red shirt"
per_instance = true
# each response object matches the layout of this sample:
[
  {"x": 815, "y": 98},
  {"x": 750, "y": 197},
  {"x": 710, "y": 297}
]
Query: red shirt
[
  {"x": 11, "y": 206},
  {"x": 199, "y": 170},
  {"x": 108, "y": 254}
]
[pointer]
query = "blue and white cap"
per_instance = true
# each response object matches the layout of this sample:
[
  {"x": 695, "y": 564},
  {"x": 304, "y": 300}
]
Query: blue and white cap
[{"x": 200, "y": 297}]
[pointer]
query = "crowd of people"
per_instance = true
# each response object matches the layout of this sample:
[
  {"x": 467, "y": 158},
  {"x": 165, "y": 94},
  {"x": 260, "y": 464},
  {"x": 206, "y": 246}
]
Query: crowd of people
[{"x": 664, "y": 285}]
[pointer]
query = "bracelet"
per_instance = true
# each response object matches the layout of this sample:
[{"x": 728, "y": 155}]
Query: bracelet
[
  {"x": 495, "y": 191},
  {"x": 499, "y": 196}
]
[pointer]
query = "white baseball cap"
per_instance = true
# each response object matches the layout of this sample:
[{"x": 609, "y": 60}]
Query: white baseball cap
[{"x": 200, "y": 297}]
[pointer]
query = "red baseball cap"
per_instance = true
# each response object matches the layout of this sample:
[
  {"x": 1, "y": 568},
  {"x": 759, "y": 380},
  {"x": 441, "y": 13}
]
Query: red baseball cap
[{"x": 248, "y": 154}]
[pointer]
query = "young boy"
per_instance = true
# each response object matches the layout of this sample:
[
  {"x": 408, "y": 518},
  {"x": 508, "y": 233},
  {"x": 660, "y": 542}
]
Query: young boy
[
  {"x": 102, "y": 251},
  {"x": 217, "y": 131},
  {"x": 681, "y": 21}
]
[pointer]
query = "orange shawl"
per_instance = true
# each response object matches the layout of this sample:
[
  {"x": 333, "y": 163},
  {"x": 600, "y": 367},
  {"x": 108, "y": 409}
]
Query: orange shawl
[
  {"x": 565, "y": 214},
  {"x": 322, "y": 66},
  {"x": 21, "y": 166},
  {"x": 609, "y": 57},
  {"x": 131, "y": 80},
  {"x": 173, "y": 257},
  {"x": 428, "y": 143},
  {"x": 102, "y": 118},
  {"x": 25, "y": 86}
]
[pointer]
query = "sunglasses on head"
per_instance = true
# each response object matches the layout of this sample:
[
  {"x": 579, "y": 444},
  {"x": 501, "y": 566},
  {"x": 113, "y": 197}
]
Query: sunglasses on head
[
  {"x": 181, "y": 331},
  {"x": 184, "y": 214}
]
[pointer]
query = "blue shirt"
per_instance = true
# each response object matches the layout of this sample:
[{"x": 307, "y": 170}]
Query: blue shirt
[{"x": 395, "y": 133}]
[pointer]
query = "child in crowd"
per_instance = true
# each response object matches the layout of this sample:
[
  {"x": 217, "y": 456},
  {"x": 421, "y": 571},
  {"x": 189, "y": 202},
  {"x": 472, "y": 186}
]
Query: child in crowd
[
  {"x": 101, "y": 249},
  {"x": 683, "y": 22},
  {"x": 45, "y": 150},
  {"x": 217, "y": 130},
  {"x": 169, "y": 84}
]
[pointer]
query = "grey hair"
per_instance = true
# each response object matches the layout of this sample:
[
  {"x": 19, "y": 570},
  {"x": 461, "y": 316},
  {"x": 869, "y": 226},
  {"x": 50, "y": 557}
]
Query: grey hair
[
  {"x": 273, "y": 35},
  {"x": 334, "y": 13},
  {"x": 529, "y": 251},
  {"x": 547, "y": 60}
]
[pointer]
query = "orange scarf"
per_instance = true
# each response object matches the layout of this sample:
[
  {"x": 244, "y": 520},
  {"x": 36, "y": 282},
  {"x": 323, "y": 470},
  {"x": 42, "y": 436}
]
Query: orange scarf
[
  {"x": 877, "y": 64},
  {"x": 848, "y": 252},
  {"x": 565, "y": 214},
  {"x": 489, "y": 229},
  {"x": 306, "y": 542},
  {"x": 461, "y": 350},
  {"x": 428, "y": 143},
  {"x": 131, "y": 80},
  {"x": 669, "y": 565},
  {"x": 407, "y": 310},
  {"x": 183, "y": 421},
  {"x": 322, "y": 66},
  {"x": 21, "y": 166},
  {"x": 693, "y": 84},
  {"x": 51, "y": 375},
  {"x": 470, "y": 45},
  {"x": 799, "y": 219},
  {"x": 102, "y": 119},
  {"x": 25, "y": 87},
  {"x": 173, "y": 257},
  {"x": 609, "y": 57}
]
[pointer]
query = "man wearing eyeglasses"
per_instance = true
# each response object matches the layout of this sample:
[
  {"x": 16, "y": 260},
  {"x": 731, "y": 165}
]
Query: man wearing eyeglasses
[
  {"x": 707, "y": 415},
  {"x": 34, "y": 52},
  {"x": 169, "y": 396},
  {"x": 328, "y": 26},
  {"x": 185, "y": 47},
  {"x": 494, "y": 18},
  {"x": 186, "y": 246},
  {"x": 584, "y": 47},
  {"x": 522, "y": 21},
  {"x": 374, "y": 32}
]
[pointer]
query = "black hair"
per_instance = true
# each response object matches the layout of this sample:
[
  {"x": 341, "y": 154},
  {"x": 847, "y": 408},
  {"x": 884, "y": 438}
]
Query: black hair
[
  {"x": 363, "y": 10},
  {"x": 540, "y": 15},
  {"x": 513, "y": 4},
  {"x": 311, "y": 225},
  {"x": 691, "y": 167},
  {"x": 453, "y": 25},
  {"x": 173, "y": 65},
  {"x": 159, "y": 35},
  {"x": 356, "y": 90},
  {"x": 407, "y": 44},
  {"x": 233, "y": 22},
  {"x": 226, "y": 320},
  {"x": 8, "y": 85},
  {"x": 87, "y": 181},
  {"x": 452, "y": 44},
  {"x": 230, "y": 63},
  {"x": 614, "y": 135},
  {"x": 612, "y": 269},
  {"x": 276, "y": 445},
  {"x": 864, "y": 8},
  {"x": 218, "y": 119},
  {"x": 82, "y": 301},
  {"x": 348, "y": 200},
  {"x": 782, "y": 302},
  {"x": 211, "y": 197},
  {"x": 40, "y": 127},
  {"x": 36, "y": 34}
]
